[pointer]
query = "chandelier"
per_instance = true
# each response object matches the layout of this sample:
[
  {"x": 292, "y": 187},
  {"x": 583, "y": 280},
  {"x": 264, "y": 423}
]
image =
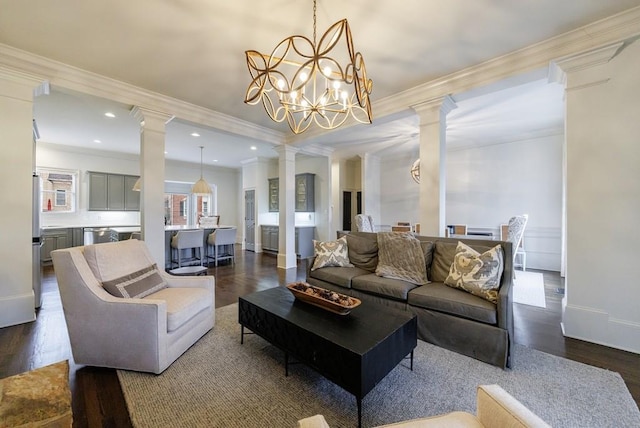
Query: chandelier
[
  {"x": 415, "y": 171},
  {"x": 301, "y": 83}
]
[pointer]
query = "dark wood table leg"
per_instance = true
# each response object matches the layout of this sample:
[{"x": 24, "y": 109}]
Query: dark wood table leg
[
  {"x": 359, "y": 400},
  {"x": 412, "y": 360},
  {"x": 241, "y": 334},
  {"x": 286, "y": 364}
]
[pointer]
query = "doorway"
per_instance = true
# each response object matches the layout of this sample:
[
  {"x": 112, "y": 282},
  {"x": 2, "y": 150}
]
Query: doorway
[{"x": 346, "y": 211}]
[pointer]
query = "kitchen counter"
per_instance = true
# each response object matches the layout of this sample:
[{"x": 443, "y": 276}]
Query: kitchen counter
[
  {"x": 175, "y": 228},
  {"x": 125, "y": 229}
]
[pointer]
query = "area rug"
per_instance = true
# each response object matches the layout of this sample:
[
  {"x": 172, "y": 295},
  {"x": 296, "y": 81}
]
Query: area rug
[
  {"x": 528, "y": 289},
  {"x": 220, "y": 383}
]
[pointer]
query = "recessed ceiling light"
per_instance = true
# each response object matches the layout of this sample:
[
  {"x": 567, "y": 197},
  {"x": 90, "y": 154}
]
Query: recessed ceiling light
[
  {"x": 254, "y": 148},
  {"x": 195, "y": 134},
  {"x": 166, "y": 153},
  {"x": 109, "y": 114},
  {"x": 97, "y": 141},
  {"x": 215, "y": 160}
]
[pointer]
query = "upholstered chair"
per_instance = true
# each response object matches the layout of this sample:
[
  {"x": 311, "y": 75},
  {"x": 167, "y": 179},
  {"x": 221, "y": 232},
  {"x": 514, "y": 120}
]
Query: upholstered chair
[
  {"x": 123, "y": 312},
  {"x": 187, "y": 240},
  {"x": 221, "y": 244},
  {"x": 515, "y": 233},
  {"x": 364, "y": 223}
]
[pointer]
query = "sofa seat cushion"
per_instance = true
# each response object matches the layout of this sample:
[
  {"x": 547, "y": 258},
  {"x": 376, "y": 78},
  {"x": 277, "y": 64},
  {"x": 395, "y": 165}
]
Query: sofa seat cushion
[
  {"x": 439, "y": 297},
  {"x": 182, "y": 304},
  {"x": 388, "y": 287},
  {"x": 341, "y": 276}
]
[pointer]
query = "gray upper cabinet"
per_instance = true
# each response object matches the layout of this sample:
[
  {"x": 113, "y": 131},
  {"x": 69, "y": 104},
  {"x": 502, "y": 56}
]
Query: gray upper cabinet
[
  {"x": 131, "y": 197},
  {"x": 97, "y": 191},
  {"x": 273, "y": 195},
  {"x": 112, "y": 192},
  {"x": 305, "y": 192}
]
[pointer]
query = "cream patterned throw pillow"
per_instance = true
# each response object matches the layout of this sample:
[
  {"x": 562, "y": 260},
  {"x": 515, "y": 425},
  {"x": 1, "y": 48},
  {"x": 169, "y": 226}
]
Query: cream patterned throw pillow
[
  {"x": 478, "y": 274},
  {"x": 331, "y": 253},
  {"x": 137, "y": 284}
]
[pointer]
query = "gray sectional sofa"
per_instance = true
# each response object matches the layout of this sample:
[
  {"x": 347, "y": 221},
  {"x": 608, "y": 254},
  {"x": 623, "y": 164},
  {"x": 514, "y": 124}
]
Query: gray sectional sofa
[{"x": 448, "y": 317}]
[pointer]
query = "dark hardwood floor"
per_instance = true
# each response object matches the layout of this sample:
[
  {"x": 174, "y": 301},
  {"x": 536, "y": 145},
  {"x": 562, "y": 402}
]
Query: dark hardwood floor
[{"x": 97, "y": 397}]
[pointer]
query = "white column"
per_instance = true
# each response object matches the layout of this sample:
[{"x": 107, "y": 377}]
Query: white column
[
  {"x": 152, "y": 136},
  {"x": 287, "y": 185},
  {"x": 370, "y": 179},
  {"x": 433, "y": 124},
  {"x": 602, "y": 105},
  {"x": 16, "y": 168}
]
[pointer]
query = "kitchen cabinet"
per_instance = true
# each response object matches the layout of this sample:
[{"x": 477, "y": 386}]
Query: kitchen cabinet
[
  {"x": 55, "y": 239},
  {"x": 303, "y": 239},
  {"x": 304, "y": 193},
  {"x": 273, "y": 195},
  {"x": 112, "y": 192}
]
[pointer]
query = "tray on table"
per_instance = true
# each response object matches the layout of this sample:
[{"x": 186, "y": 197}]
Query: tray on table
[{"x": 337, "y": 303}]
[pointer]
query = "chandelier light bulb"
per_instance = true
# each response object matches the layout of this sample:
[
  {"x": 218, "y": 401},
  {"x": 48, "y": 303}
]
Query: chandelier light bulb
[
  {"x": 303, "y": 77},
  {"x": 280, "y": 84}
]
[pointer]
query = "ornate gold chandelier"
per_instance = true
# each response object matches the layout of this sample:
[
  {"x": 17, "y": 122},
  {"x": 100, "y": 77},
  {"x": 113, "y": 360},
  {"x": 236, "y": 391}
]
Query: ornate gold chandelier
[{"x": 301, "y": 83}]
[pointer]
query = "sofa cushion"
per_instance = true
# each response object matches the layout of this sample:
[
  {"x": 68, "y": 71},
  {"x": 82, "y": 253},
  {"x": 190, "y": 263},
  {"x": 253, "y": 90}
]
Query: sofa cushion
[
  {"x": 388, "y": 287},
  {"x": 427, "y": 249},
  {"x": 476, "y": 273},
  {"x": 439, "y": 297},
  {"x": 331, "y": 253},
  {"x": 400, "y": 256},
  {"x": 363, "y": 252},
  {"x": 182, "y": 304},
  {"x": 443, "y": 254},
  {"x": 341, "y": 276},
  {"x": 136, "y": 284}
]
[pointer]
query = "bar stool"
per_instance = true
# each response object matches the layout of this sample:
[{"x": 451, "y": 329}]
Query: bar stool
[
  {"x": 184, "y": 240},
  {"x": 222, "y": 239}
]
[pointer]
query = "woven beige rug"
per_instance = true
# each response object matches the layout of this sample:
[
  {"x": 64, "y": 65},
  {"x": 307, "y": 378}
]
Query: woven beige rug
[{"x": 220, "y": 383}]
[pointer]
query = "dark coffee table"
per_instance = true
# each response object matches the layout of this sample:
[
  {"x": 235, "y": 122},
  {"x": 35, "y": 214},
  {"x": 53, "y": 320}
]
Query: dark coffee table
[{"x": 354, "y": 351}]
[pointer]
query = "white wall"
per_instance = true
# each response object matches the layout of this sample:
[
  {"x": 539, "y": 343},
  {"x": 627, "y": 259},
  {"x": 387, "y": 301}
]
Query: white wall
[
  {"x": 226, "y": 181},
  {"x": 486, "y": 186},
  {"x": 602, "y": 299}
]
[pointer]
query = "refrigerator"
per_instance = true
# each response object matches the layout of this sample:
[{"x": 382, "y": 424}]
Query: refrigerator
[{"x": 36, "y": 242}]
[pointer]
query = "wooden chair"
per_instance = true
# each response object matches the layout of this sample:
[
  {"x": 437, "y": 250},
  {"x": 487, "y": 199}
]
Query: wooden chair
[
  {"x": 456, "y": 229},
  {"x": 401, "y": 228}
]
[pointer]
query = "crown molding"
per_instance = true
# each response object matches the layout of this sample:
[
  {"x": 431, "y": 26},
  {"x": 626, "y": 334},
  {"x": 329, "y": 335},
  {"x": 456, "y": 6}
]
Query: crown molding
[{"x": 69, "y": 77}]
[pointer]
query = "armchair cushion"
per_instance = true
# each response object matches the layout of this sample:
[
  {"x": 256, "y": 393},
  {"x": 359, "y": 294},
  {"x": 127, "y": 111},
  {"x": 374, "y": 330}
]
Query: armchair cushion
[
  {"x": 182, "y": 304},
  {"x": 136, "y": 284}
]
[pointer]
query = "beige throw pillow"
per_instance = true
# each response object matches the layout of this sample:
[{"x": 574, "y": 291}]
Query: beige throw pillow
[
  {"x": 478, "y": 274},
  {"x": 331, "y": 253},
  {"x": 137, "y": 284},
  {"x": 400, "y": 256}
]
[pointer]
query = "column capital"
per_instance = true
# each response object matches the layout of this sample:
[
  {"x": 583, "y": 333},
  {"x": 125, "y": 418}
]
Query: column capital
[
  {"x": 286, "y": 151},
  {"x": 559, "y": 68},
  {"x": 148, "y": 116},
  {"x": 432, "y": 109}
]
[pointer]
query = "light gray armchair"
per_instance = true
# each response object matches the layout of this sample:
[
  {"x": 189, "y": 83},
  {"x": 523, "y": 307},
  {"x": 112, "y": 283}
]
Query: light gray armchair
[{"x": 142, "y": 334}]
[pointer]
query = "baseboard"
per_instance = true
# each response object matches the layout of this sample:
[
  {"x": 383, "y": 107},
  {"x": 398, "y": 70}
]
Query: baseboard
[
  {"x": 16, "y": 310},
  {"x": 597, "y": 326}
]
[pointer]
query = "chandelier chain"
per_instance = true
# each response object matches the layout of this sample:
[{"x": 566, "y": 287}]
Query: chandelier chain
[{"x": 314, "y": 22}]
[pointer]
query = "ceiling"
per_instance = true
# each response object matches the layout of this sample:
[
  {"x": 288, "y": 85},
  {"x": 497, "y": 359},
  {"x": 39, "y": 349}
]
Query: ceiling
[{"x": 194, "y": 51}]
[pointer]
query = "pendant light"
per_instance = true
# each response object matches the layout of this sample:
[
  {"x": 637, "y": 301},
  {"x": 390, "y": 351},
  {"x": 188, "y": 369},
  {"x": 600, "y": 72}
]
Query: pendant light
[{"x": 201, "y": 187}]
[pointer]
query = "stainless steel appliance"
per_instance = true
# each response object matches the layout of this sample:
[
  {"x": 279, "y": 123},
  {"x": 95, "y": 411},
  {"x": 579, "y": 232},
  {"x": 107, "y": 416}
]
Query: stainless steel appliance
[
  {"x": 96, "y": 235},
  {"x": 36, "y": 243}
]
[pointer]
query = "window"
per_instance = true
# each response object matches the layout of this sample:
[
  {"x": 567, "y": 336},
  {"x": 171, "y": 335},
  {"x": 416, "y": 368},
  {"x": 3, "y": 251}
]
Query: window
[
  {"x": 58, "y": 190},
  {"x": 61, "y": 197},
  {"x": 176, "y": 208}
]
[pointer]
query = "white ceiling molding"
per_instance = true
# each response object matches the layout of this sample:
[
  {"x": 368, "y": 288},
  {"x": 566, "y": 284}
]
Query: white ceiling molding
[{"x": 76, "y": 79}]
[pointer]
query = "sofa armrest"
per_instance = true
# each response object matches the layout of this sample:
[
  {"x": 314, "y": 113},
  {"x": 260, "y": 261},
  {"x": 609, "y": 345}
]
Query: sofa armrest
[{"x": 497, "y": 408}]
